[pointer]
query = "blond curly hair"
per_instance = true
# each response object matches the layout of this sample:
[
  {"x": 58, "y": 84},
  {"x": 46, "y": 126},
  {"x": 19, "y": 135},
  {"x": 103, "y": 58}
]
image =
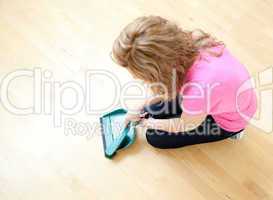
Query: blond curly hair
[{"x": 152, "y": 47}]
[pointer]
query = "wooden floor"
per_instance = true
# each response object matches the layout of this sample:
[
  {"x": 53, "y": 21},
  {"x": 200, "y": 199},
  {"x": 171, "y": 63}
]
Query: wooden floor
[{"x": 38, "y": 161}]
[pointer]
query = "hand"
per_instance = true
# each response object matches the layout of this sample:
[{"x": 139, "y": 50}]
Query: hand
[{"x": 134, "y": 118}]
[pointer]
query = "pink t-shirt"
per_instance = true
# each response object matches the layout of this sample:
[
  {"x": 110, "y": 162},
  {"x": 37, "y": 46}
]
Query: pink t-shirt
[{"x": 220, "y": 87}]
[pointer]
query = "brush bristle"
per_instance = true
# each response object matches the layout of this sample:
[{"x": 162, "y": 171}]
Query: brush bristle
[{"x": 103, "y": 135}]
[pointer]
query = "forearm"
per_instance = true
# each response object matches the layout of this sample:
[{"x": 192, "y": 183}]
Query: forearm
[{"x": 175, "y": 125}]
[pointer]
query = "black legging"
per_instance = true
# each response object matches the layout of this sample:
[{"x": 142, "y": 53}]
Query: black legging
[{"x": 207, "y": 131}]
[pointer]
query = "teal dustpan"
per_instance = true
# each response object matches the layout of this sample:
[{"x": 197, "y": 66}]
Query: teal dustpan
[{"x": 114, "y": 135}]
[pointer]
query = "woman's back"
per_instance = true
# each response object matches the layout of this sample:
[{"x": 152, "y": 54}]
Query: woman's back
[{"x": 227, "y": 93}]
